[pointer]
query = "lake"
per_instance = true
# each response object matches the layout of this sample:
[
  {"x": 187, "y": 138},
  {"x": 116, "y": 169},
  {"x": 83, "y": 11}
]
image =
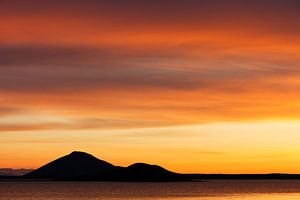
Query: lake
[{"x": 207, "y": 190}]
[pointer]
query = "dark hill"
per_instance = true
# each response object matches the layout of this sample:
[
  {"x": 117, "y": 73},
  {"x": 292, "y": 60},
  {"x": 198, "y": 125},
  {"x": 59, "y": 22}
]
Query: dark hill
[
  {"x": 76, "y": 164},
  {"x": 80, "y": 166}
]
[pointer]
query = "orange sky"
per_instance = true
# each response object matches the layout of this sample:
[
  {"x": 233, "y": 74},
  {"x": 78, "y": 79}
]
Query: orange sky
[{"x": 206, "y": 86}]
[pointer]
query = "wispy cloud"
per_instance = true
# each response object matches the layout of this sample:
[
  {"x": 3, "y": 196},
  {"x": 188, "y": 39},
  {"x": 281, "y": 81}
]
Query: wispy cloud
[{"x": 103, "y": 75}]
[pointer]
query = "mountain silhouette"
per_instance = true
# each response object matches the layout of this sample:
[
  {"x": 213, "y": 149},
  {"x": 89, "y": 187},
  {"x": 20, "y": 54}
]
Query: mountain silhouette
[
  {"x": 76, "y": 164},
  {"x": 81, "y": 166}
]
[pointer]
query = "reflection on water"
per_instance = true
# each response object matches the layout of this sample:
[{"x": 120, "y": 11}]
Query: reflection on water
[{"x": 209, "y": 190}]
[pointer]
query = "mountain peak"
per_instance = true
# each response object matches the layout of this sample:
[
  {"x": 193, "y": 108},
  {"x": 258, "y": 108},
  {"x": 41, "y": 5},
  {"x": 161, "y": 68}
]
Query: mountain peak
[
  {"x": 75, "y": 164},
  {"x": 79, "y": 153}
]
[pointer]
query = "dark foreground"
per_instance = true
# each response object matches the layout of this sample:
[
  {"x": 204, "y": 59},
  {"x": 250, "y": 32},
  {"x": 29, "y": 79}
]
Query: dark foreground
[{"x": 183, "y": 178}]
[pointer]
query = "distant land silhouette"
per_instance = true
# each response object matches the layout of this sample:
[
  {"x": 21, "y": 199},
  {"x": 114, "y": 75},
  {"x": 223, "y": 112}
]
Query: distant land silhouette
[
  {"x": 14, "y": 172},
  {"x": 81, "y": 166}
]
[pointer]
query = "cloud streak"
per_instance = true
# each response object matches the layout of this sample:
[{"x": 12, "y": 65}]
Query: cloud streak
[
  {"x": 168, "y": 62},
  {"x": 102, "y": 75}
]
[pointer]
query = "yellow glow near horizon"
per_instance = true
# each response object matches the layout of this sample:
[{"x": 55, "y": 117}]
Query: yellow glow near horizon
[{"x": 233, "y": 147}]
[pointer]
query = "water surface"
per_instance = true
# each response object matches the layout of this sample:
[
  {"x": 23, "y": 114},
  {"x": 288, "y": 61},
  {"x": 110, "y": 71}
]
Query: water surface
[{"x": 208, "y": 190}]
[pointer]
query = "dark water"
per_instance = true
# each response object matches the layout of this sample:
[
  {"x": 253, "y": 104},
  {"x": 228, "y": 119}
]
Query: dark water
[{"x": 211, "y": 190}]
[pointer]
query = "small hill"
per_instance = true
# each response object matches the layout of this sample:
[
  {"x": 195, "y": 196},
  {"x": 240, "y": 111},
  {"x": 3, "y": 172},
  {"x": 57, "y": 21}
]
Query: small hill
[
  {"x": 142, "y": 172},
  {"x": 76, "y": 164}
]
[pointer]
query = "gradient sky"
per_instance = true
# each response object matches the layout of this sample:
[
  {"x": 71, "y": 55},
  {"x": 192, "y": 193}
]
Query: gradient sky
[{"x": 208, "y": 86}]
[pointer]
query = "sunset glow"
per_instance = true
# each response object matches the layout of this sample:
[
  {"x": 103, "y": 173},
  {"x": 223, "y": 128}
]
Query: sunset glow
[{"x": 207, "y": 86}]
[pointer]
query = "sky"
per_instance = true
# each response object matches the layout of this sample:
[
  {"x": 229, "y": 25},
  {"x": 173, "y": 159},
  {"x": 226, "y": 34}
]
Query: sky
[{"x": 197, "y": 86}]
